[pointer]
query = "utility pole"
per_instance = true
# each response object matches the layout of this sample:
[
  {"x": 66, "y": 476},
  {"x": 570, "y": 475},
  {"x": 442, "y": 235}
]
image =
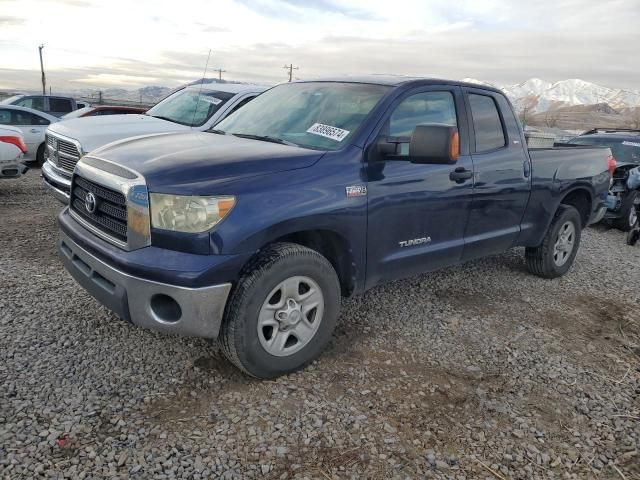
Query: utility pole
[
  {"x": 291, "y": 68},
  {"x": 44, "y": 81},
  {"x": 220, "y": 72}
]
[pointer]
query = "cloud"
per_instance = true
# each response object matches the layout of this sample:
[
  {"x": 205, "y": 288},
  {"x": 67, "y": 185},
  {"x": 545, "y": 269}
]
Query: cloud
[
  {"x": 6, "y": 21},
  {"x": 212, "y": 28},
  {"x": 299, "y": 9},
  {"x": 495, "y": 40}
]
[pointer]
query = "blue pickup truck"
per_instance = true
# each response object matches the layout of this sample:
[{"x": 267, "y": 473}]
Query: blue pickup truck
[{"x": 251, "y": 232}]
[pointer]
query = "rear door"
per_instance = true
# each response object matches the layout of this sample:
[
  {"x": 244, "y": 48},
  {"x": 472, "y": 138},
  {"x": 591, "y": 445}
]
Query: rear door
[
  {"x": 416, "y": 214},
  {"x": 501, "y": 167}
]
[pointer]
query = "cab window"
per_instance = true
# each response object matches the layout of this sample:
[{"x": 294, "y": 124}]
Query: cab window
[
  {"x": 419, "y": 109},
  {"x": 37, "y": 103},
  {"x": 487, "y": 125}
]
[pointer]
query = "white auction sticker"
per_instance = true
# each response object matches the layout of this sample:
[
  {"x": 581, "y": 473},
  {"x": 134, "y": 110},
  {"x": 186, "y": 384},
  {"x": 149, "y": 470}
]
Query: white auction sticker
[
  {"x": 213, "y": 100},
  {"x": 631, "y": 144},
  {"x": 334, "y": 133}
]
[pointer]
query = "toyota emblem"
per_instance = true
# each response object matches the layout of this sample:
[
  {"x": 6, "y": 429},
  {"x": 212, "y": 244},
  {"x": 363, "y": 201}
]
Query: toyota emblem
[{"x": 90, "y": 202}]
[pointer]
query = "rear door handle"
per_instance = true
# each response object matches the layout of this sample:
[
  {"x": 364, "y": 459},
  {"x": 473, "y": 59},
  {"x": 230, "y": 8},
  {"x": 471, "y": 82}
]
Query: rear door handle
[
  {"x": 460, "y": 175},
  {"x": 34, "y": 130}
]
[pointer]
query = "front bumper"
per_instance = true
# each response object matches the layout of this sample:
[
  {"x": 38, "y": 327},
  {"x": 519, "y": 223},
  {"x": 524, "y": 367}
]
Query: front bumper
[
  {"x": 159, "y": 306},
  {"x": 58, "y": 184},
  {"x": 598, "y": 215},
  {"x": 12, "y": 169}
]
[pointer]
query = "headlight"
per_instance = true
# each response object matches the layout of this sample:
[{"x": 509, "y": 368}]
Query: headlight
[{"x": 188, "y": 214}]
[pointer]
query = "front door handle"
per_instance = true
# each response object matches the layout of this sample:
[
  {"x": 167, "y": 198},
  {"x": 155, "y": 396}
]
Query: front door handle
[
  {"x": 34, "y": 130},
  {"x": 460, "y": 175}
]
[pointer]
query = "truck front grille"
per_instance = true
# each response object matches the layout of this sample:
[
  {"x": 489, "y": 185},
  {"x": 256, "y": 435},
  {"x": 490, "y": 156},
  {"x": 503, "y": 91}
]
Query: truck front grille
[
  {"x": 62, "y": 153},
  {"x": 110, "y": 212}
]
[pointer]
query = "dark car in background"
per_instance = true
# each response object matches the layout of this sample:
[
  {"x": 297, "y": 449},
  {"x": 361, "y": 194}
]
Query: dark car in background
[
  {"x": 100, "y": 110},
  {"x": 625, "y": 147},
  {"x": 51, "y": 104}
]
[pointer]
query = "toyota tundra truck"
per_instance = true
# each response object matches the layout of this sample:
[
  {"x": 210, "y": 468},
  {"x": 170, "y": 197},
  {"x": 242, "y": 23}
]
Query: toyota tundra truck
[{"x": 251, "y": 232}]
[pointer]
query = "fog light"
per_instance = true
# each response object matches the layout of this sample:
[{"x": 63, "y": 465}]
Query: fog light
[{"x": 165, "y": 308}]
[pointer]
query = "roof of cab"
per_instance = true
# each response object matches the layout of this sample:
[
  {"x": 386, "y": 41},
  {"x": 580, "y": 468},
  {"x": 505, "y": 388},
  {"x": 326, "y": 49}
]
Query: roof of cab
[
  {"x": 230, "y": 87},
  {"x": 400, "y": 80}
]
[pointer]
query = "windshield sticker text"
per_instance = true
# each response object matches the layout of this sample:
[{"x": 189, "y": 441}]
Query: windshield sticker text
[
  {"x": 327, "y": 131},
  {"x": 631, "y": 144},
  {"x": 213, "y": 100}
]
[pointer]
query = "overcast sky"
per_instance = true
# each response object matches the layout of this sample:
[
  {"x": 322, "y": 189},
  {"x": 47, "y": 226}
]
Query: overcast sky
[{"x": 133, "y": 43}]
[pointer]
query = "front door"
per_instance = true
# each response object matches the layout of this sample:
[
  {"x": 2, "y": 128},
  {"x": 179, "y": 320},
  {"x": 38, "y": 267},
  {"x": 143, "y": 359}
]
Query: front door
[{"x": 417, "y": 214}]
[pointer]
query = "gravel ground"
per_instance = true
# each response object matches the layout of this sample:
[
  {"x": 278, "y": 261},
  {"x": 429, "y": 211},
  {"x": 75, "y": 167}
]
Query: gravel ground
[{"x": 478, "y": 371}]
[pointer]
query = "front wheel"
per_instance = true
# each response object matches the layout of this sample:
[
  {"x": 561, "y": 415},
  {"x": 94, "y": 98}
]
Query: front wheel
[
  {"x": 557, "y": 252},
  {"x": 40, "y": 156},
  {"x": 282, "y": 312}
]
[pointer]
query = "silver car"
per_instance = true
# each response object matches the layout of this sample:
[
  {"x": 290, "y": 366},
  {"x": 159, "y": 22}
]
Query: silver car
[
  {"x": 33, "y": 124},
  {"x": 197, "y": 107}
]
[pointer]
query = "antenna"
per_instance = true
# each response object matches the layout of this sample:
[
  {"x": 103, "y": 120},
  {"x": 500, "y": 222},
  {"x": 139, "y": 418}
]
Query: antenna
[{"x": 204, "y": 75}]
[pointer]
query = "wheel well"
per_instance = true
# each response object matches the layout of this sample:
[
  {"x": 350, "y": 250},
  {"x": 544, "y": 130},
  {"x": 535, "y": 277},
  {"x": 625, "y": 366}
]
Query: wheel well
[
  {"x": 581, "y": 201},
  {"x": 334, "y": 248}
]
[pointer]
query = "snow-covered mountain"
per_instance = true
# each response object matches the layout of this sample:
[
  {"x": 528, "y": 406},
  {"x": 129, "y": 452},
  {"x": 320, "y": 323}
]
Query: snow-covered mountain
[{"x": 539, "y": 95}]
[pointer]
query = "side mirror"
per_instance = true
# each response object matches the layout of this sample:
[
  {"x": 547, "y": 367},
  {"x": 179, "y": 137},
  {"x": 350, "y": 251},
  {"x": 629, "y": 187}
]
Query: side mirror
[{"x": 434, "y": 143}]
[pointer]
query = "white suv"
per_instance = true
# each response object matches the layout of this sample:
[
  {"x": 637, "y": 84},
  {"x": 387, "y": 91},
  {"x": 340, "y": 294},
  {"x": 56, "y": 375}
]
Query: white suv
[{"x": 197, "y": 107}]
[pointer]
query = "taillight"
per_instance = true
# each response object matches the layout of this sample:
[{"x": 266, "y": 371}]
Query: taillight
[
  {"x": 17, "y": 141},
  {"x": 611, "y": 164}
]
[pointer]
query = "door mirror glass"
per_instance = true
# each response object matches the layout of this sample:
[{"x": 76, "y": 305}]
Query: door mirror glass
[{"x": 434, "y": 143}]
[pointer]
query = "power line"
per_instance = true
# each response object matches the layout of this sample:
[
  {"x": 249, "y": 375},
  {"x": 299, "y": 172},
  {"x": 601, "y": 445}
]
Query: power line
[
  {"x": 220, "y": 72},
  {"x": 291, "y": 68}
]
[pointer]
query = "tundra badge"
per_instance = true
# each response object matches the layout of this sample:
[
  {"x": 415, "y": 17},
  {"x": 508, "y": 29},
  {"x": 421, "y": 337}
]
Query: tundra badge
[{"x": 414, "y": 242}]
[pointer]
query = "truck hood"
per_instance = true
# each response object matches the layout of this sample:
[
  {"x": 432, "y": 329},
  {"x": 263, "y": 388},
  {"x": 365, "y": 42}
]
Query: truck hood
[
  {"x": 94, "y": 132},
  {"x": 200, "y": 163}
]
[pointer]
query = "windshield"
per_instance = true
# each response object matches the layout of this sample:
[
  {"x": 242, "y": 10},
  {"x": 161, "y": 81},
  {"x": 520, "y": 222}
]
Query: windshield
[
  {"x": 10, "y": 100},
  {"x": 318, "y": 115},
  {"x": 622, "y": 150},
  {"x": 190, "y": 107},
  {"x": 76, "y": 113}
]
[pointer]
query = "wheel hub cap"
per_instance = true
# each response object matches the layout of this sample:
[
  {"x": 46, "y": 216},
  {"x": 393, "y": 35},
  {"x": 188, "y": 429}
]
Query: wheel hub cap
[
  {"x": 290, "y": 316},
  {"x": 564, "y": 244}
]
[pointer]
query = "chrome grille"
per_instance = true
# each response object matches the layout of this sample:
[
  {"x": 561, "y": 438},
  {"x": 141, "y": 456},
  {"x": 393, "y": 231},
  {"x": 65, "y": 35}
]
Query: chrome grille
[
  {"x": 64, "y": 154},
  {"x": 110, "y": 215}
]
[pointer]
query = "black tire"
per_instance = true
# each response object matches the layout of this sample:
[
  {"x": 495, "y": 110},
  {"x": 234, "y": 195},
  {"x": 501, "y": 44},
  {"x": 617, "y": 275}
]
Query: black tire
[
  {"x": 627, "y": 212},
  {"x": 239, "y": 339},
  {"x": 40, "y": 156},
  {"x": 540, "y": 260}
]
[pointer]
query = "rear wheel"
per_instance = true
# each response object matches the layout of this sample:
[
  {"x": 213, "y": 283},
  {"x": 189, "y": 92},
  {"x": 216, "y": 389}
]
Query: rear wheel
[
  {"x": 557, "y": 252},
  {"x": 282, "y": 312},
  {"x": 628, "y": 213}
]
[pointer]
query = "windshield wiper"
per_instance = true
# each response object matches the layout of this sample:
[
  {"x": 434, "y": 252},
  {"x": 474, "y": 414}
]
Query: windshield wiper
[
  {"x": 265, "y": 138},
  {"x": 216, "y": 131},
  {"x": 162, "y": 118}
]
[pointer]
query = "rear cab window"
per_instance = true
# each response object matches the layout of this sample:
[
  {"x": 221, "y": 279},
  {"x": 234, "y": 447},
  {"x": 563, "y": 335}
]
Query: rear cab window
[
  {"x": 487, "y": 124},
  {"x": 60, "y": 105}
]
